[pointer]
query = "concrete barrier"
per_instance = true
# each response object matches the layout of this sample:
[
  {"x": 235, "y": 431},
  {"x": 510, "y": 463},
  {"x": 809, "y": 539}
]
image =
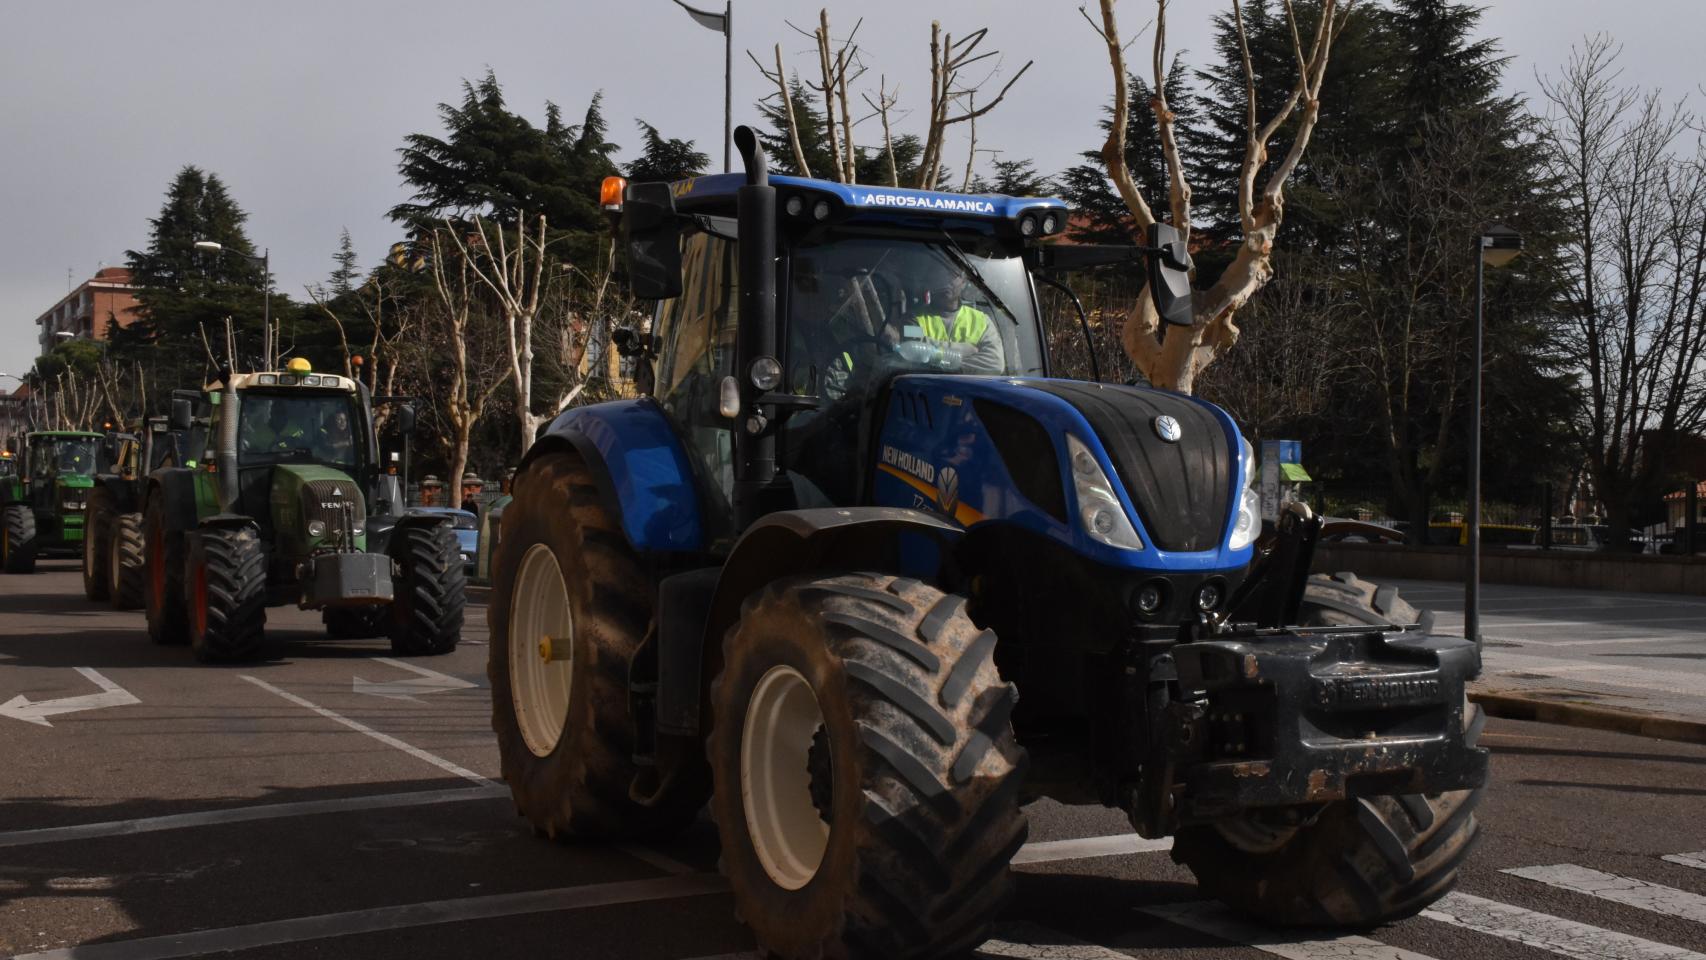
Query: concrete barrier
[{"x": 1580, "y": 570}]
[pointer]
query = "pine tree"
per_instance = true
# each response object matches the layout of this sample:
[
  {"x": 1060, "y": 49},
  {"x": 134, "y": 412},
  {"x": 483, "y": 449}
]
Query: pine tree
[
  {"x": 197, "y": 208},
  {"x": 1014, "y": 178},
  {"x": 664, "y": 158},
  {"x": 344, "y": 275},
  {"x": 814, "y": 141}
]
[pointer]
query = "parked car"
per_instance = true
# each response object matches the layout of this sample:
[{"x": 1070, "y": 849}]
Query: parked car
[
  {"x": 1595, "y": 537},
  {"x": 467, "y": 527},
  {"x": 1342, "y": 530}
]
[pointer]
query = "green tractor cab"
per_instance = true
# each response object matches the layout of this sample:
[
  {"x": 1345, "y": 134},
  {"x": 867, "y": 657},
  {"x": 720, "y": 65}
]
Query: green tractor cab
[
  {"x": 45, "y": 499},
  {"x": 288, "y": 504}
]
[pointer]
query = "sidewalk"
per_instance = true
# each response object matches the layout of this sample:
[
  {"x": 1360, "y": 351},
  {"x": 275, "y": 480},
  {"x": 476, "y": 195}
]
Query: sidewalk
[{"x": 1633, "y": 663}]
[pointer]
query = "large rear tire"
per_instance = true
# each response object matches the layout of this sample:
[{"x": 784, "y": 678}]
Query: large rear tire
[
  {"x": 1356, "y": 863},
  {"x": 125, "y": 564},
  {"x": 97, "y": 547},
  {"x": 227, "y": 593},
  {"x": 431, "y": 591},
  {"x": 163, "y": 593},
  {"x": 866, "y": 776},
  {"x": 18, "y": 539},
  {"x": 564, "y": 571}
]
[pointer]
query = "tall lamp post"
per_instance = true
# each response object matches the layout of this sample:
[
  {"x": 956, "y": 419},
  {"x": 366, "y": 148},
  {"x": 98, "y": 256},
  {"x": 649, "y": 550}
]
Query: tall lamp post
[
  {"x": 214, "y": 246},
  {"x": 1494, "y": 247}
]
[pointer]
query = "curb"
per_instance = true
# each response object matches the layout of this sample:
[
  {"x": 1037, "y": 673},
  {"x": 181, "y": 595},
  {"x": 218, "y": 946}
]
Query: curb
[
  {"x": 1517, "y": 706},
  {"x": 478, "y": 593}
]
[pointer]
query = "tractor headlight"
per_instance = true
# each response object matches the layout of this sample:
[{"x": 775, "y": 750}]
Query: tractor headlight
[
  {"x": 1099, "y": 510},
  {"x": 1249, "y": 519},
  {"x": 316, "y": 528}
]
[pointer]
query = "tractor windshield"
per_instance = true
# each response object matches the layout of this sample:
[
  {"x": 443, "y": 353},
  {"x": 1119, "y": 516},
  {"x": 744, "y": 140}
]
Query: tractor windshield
[
  {"x": 860, "y": 308},
  {"x": 297, "y": 428},
  {"x": 74, "y": 458}
]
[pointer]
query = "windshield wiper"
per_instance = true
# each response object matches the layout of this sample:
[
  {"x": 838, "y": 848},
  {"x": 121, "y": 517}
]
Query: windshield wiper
[{"x": 964, "y": 263}]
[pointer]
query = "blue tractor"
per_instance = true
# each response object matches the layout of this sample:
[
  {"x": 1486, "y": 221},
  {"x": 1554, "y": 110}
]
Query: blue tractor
[{"x": 859, "y": 573}]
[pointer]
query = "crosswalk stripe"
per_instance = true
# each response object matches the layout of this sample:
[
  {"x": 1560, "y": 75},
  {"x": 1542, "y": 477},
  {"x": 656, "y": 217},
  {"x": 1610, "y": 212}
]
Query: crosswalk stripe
[
  {"x": 1084, "y": 848},
  {"x": 1625, "y": 890},
  {"x": 1216, "y": 921},
  {"x": 1566, "y": 938},
  {"x": 1697, "y": 859}
]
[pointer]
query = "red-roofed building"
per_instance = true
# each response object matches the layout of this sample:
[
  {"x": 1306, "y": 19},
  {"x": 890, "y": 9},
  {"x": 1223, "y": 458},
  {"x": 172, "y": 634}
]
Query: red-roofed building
[{"x": 85, "y": 312}]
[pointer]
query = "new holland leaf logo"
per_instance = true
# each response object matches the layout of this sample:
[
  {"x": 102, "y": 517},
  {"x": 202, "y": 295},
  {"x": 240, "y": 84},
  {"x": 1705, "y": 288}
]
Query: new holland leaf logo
[{"x": 947, "y": 489}]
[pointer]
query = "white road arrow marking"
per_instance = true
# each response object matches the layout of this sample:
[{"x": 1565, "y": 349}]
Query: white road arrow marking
[
  {"x": 111, "y": 695},
  {"x": 429, "y": 681}
]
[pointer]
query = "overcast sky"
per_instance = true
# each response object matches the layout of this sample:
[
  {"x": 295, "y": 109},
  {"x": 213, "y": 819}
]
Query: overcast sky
[{"x": 299, "y": 107}]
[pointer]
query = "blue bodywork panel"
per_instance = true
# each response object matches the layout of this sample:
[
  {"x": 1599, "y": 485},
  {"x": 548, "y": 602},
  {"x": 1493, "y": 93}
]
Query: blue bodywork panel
[
  {"x": 871, "y": 203},
  {"x": 947, "y": 462},
  {"x": 648, "y": 470}
]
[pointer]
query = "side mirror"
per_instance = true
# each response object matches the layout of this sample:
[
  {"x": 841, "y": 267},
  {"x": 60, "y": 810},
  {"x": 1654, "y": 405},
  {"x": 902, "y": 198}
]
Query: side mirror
[
  {"x": 653, "y": 238},
  {"x": 1170, "y": 275},
  {"x": 183, "y": 415},
  {"x": 406, "y": 419}
]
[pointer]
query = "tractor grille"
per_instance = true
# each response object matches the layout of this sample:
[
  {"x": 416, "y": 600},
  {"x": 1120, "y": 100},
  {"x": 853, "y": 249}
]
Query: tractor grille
[
  {"x": 1182, "y": 490},
  {"x": 73, "y": 499},
  {"x": 324, "y": 500}
]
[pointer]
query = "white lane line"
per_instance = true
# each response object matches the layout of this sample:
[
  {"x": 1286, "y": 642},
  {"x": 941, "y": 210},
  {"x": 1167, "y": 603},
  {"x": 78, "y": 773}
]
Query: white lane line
[
  {"x": 1084, "y": 848},
  {"x": 1613, "y": 674},
  {"x": 268, "y": 811},
  {"x": 1030, "y": 941},
  {"x": 425, "y": 682},
  {"x": 1697, "y": 860},
  {"x": 381, "y": 919},
  {"x": 384, "y": 738},
  {"x": 1564, "y": 937},
  {"x": 1625, "y": 890},
  {"x": 1649, "y": 638},
  {"x": 1501, "y": 623},
  {"x": 1216, "y": 921}
]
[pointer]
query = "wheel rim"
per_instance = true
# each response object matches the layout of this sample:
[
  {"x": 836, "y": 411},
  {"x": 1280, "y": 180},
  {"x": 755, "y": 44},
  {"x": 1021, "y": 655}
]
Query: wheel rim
[
  {"x": 775, "y": 783},
  {"x": 541, "y": 626}
]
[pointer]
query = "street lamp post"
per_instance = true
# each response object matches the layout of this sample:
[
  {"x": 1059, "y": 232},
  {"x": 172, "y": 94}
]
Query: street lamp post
[
  {"x": 214, "y": 246},
  {"x": 1494, "y": 247}
]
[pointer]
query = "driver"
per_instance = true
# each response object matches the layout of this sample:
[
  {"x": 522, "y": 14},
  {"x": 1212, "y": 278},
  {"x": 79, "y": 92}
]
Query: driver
[
  {"x": 335, "y": 440},
  {"x": 71, "y": 459},
  {"x": 943, "y": 317},
  {"x": 275, "y": 431}
]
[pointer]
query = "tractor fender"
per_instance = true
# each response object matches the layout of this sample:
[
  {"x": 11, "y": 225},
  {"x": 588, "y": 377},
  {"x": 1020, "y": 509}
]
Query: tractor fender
[
  {"x": 122, "y": 491},
  {"x": 381, "y": 530},
  {"x": 640, "y": 467},
  {"x": 693, "y": 618},
  {"x": 176, "y": 490}
]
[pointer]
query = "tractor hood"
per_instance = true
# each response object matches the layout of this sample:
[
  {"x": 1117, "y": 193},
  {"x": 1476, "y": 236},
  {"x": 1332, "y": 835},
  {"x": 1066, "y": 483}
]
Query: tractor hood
[
  {"x": 1129, "y": 476},
  {"x": 309, "y": 503}
]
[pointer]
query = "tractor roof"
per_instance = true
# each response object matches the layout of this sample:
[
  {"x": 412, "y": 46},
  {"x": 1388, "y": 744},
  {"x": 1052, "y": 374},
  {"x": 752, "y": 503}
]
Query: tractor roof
[
  {"x": 284, "y": 378},
  {"x": 67, "y": 434},
  {"x": 872, "y": 204}
]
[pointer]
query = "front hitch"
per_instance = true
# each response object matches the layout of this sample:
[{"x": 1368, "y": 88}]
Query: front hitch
[{"x": 1299, "y": 717}]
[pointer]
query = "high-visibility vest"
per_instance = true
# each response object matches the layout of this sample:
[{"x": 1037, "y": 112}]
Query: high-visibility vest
[{"x": 970, "y": 324}]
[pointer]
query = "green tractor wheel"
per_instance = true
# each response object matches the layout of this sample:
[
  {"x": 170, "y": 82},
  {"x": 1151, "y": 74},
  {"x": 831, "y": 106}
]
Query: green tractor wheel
[
  {"x": 866, "y": 775},
  {"x": 97, "y": 549},
  {"x": 126, "y": 569},
  {"x": 1353, "y": 863},
  {"x": 18, "y": 539},
  {"x": 430, "y": 589},
  {"x": 163, "y": 586},
  {"x": 226, "y": 594}
]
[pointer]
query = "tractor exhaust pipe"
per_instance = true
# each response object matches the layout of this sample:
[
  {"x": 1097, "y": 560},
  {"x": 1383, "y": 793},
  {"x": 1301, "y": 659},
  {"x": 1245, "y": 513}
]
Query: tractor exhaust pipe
[
  {"x": 755, "y": 428},
  {"x": 225, "y": 451}
]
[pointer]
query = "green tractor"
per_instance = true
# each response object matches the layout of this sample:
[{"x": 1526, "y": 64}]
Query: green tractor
[
  {"x": 289, "y": 505},
  {"x": 112, "y": 549},
  {"x": 42, "y": 504}
]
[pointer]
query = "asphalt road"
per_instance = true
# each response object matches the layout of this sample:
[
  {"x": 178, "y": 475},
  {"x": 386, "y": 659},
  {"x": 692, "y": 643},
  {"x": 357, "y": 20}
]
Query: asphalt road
[
  {"x": 301, "y": 807},
  {"x": 1636, "y": 650}
]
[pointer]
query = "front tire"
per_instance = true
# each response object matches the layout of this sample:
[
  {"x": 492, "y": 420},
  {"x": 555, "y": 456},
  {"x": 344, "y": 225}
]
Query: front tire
[
  {"x": 227, "y": 588},
  {"x": 125, "y": 562},
  {"x": 18, "y": 539},
  {"x": 163, "y": 593},
  {"x": 97, "y": 551},
  {"x": 866, "y": 776},
  {"x": 564, "y": 571},
  {"x": 1356, "y": 863},
  {"x": 430, "y": 591}
]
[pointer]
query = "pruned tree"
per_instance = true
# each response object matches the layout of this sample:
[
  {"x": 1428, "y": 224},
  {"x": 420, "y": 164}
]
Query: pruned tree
[
  {"x": 1173, "y": 358},
  {"x": 512, "y": 270},
  {"x": 1636, "y": 267},
  {"x": 388, "y": 321},
  {"x": 953, "y": 100},
  {"x": 462, "y": 400}
]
